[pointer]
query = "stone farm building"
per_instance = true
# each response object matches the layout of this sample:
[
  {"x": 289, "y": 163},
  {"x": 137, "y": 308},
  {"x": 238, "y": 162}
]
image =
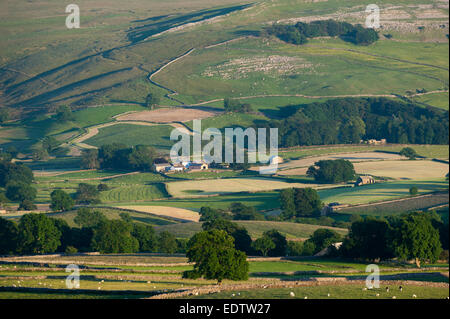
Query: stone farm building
[
  {"x": 198, "y": 166},
  {"x": 364, "y": 180}
]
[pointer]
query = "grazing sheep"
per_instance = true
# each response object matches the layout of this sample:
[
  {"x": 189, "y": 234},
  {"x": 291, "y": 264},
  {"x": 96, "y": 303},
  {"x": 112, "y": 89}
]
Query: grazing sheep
[
  {"x": 306, "y": 297},
  {"x": 292, "y": 294},
  {"x": 329, "y": 295},
  {"x": 414, "y": 296},
  {"x": 394, "y": 297},
  {"x": 233, "y": 295}
]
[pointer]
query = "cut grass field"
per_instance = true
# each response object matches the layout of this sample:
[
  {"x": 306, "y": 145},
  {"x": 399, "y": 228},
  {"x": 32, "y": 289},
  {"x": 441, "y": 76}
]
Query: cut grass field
[
  {"x": 168, "y": 115},
  {"x": 173, "y": 212},
  {"x": 403, "y": 170},
  {"x": 229, "y": 185}
]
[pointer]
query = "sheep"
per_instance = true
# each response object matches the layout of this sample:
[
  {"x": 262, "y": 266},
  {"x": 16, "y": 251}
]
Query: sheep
[
  {"x": 306, "y": 297},
  {"x": 400, "y": 288},
  {"x": 394, "y": 297},
  {"x": 414, "y": 296},
  {"x": 387, "y": 289},
  {"x": 329, "y": 295},
  {"x": 292, "y": 294}
]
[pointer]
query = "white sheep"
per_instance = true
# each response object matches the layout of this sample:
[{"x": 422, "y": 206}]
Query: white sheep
[{"x": 292, "y": 294}]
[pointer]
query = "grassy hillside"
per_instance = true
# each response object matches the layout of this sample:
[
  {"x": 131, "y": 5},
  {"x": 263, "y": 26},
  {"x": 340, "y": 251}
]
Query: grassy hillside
[{"x": 255, "y": 229}]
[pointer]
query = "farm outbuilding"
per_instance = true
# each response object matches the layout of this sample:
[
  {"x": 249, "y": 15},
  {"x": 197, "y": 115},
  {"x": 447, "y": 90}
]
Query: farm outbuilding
[
  {"x": 364, "y": 180},
  {"x": 198, "y": 166},
  {"x": 276, "y": 160},
  {"x": 160, "y": 167}
]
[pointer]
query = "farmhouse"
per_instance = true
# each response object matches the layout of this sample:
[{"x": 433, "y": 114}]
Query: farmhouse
[
  {"x": 161, "y": 167},
  {"x": 375, "y": 142},
  {"x": 364, "y": 180}
]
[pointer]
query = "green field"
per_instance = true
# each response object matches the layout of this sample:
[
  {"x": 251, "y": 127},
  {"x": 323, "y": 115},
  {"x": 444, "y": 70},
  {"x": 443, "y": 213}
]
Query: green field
[
  {"x": 255, "y": 229},
  {"x": 143, "y": 275},
  {"x": 379, "y": 191},
  {"x": 332, "y": 292},
  {"x": 131, "y": 135}
]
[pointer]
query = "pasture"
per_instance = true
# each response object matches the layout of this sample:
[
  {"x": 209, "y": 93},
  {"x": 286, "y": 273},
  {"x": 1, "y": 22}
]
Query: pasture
[
  {"x": 380, "y": 191},
  {"x": 131, "y": 135},
  {"x": 292, "y": 231},
  {"x": 154, "y": 275}
]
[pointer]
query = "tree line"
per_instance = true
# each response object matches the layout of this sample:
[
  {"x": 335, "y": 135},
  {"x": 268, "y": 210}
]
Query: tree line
[
  {"x": 40, "y": 234},
  {"x": 300, "y": 32},
  {"x": 119, "y": 156},
  {"x": 350, "y": 120}
]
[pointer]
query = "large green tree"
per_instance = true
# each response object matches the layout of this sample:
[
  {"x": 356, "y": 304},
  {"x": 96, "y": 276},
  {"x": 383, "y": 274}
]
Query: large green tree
[
  {"x": 114, "y": 236},
  {"x": 242, "y": 240},
  {"x": 145, "y": 235},
  {"x": 263, "y": 245},
  {"x": 287, "y": 203},
  {"x": 11, "y": 172},
  {"x": 215, "y": 257},
  {"x": 307, "y": 202},
  {"x": 280, "y": 242},
  {"x": 37, "y": 234},
  {"x": 414, "y": 237},
  {"x": 322, "y": 238},
  {"x": 332, "y": 171},
  {"x": 20, "y": 191},
  {"x": 368, "y": 239},
  {"x": 61, "y": 201},
  {"x": 167, "y": 243},
  {"x": 87, "y": 194},
  {"x": 87, "y": 218},
  {"x": 8, "y": 236}
]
